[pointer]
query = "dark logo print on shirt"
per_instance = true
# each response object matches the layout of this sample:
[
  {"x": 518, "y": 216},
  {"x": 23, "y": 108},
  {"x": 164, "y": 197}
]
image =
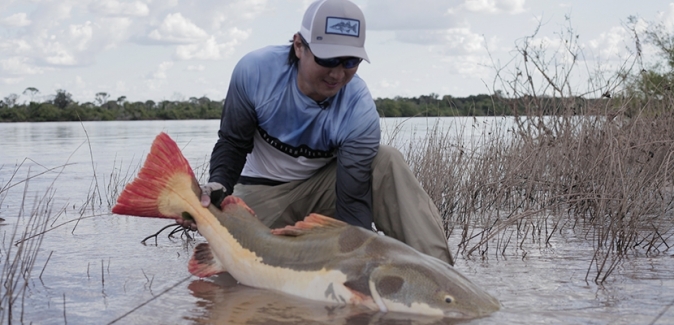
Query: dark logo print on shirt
[{"x": 301, "y": 151}]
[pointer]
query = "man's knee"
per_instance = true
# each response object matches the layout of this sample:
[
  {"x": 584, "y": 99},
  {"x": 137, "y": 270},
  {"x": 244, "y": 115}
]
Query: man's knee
[{"x": 388, "y": 155}]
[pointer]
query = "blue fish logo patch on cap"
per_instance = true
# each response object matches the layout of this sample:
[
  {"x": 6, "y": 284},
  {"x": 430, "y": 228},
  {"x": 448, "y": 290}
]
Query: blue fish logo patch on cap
[{"x": 342, "y": 26}]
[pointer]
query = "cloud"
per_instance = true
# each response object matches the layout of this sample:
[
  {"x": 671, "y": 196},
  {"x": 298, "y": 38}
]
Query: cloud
[
  {"x": 196, "y": 68},
  {"x": 53, "y": 37},
  {"x": 116, "y": 8},
  {"x": 207, "y": 50},
  {"x": 387, "y": 84},
  {"x": 15, "y": 47},
  {"x": 667, "y": 17},
  {"x": 18, "y": 66},
  {"x": 59, "y": 56},
  {"x": 79, "y": 82},
  {"x": 50, "y": 14},
  {"x": 610, "y": 45},
  {"x": 494, "y": 6},
  {"x": 410, "y": 14},
  {"x": 158, "y": 78},
  {"x": 219, "y": 15},
  {"x": 177, "y": 29},
  {"x": 248, "y": 9},
  {"x": 452, "y": 41},
  {"x": 463, "y": 40},
  {"x": 113, "y": 31},
  {"x": 54, "y": 33},
  {"x": 469, "y": 65},
  {"x": 11, "y": 81},
  {"x": 120, "y": 87},
  {"x": 67, "y": 46},
  {"x": 80, "y": 35},
  {"x": 161, "y": 70},
  {"x": 16, "y": 20},
  {"x": 432, "y": 14},
  {"x": 211, "y": 49}
]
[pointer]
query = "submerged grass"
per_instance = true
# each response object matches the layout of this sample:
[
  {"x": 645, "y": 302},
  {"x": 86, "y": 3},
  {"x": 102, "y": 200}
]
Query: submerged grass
[
  {"x": 20, "y": 248},
  {"x": 610, "y": 180}
]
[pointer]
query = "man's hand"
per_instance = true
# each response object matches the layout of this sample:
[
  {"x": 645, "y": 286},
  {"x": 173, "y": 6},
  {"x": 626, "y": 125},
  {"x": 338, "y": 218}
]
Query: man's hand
[
  {"x": 187, "y": 223},
  {"x": 210, "y": 193}
]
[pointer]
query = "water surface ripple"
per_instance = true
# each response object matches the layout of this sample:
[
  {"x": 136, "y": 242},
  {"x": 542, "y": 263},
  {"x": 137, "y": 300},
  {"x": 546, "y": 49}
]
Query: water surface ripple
[{"x": 98, "y": 271}]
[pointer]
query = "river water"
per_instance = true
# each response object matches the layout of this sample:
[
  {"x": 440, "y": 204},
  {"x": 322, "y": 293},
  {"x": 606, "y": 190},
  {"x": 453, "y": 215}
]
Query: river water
[{"x": 92, "y": 268}]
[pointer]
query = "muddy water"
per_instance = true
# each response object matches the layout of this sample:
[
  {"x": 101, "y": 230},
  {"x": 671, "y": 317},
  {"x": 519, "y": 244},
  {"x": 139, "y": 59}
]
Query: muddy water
[{"x": 96, "y": 271}]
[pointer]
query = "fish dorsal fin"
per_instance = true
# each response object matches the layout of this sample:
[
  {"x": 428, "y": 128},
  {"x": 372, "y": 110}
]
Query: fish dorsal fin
[
  {"x": 203, "y": 263},
  {"x": 312, "y": 223}
]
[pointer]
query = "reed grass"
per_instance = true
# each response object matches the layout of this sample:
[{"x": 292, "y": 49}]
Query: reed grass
[
  {"x": 608, "y": 179},
  {"x": 20, "y": 248},
  {"x": 602, "y": 167}
]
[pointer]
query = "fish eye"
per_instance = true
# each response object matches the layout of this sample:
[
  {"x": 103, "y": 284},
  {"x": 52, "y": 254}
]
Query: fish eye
[{"x": 449, "y": 299}]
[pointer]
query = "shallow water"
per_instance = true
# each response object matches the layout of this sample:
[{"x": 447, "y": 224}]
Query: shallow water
[{"x": 97, "y": 271}]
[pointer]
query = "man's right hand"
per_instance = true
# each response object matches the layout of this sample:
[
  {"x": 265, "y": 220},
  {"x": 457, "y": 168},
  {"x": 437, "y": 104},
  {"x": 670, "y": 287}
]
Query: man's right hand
[{"x": 210, "y": 193}]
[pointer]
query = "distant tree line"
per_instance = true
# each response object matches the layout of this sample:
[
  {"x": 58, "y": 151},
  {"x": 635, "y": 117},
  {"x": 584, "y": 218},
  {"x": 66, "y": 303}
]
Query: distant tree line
[
  {"x": 434, "y": 105},
  {"x": 61, "y": 107}
]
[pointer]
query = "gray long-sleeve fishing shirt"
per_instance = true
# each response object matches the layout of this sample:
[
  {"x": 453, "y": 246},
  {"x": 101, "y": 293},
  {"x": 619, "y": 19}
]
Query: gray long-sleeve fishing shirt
[{"x": 272, "y": 133}]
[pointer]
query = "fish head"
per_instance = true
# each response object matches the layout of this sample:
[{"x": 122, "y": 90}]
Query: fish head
[{"x": 429, "y": 287}]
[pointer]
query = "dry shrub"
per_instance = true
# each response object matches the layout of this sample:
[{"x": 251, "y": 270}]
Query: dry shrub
[
  {"x": 600, "y": 166},
  {"x": 608, "y": 177}
]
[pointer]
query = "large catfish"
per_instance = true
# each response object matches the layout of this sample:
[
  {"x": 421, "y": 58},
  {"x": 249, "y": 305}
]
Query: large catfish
[{"x": 319, "y": 258}]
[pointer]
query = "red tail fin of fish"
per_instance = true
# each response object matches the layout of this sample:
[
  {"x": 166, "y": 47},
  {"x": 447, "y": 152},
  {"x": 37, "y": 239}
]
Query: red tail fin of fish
[{"x": 165, "y": 176}]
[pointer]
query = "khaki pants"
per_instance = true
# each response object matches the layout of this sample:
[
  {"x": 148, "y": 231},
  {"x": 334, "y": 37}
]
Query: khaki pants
[{"x": 401, "y": 207}]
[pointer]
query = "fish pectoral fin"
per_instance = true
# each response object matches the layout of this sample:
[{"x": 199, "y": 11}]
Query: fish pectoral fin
[
  {"x": 361, "y": 293},
  {"x": 312, "y": 223},
  {"x": 203, "y": 263},
  {"x": 377, "y": 297}
]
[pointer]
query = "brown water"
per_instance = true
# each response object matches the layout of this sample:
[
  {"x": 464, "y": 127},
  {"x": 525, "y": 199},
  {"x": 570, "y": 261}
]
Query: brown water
[{"x": 96, "y": 271}]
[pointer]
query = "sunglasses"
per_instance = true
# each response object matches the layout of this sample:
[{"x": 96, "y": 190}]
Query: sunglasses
[{"x": 348, "y": 62}]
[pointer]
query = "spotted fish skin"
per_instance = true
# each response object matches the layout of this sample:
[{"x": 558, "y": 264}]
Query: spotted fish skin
[
  {"x": 328, "y": 260},
  {"x": 319, "y": 258}
]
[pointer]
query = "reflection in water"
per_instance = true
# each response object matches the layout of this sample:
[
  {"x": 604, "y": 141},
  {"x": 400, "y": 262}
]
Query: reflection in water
[
  {"x": 223, "y": 301},
  {"x": 536, "y": 283},
  {"x": 64, "y": 132}
]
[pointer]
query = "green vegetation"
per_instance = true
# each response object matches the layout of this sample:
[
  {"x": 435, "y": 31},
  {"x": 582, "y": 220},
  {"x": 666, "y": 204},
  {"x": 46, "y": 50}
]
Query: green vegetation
[
  {"x": 63, "y": 108},
  {"x": 433, "y": 105}
]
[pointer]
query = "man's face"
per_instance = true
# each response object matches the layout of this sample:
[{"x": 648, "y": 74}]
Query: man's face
[{"x": 315, "y": 81}]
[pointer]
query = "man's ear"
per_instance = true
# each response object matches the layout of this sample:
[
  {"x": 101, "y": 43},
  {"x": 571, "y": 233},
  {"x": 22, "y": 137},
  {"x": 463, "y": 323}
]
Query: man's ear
[{"x": 297, "y": 45}]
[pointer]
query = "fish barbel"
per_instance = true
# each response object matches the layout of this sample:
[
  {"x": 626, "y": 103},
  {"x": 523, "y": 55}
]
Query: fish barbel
[{"x": 319, "y": 258}]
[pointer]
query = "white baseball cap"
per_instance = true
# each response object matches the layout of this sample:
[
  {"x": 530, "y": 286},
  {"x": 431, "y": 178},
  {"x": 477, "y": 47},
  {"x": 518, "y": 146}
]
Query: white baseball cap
[{"x": 334, "y": 28}]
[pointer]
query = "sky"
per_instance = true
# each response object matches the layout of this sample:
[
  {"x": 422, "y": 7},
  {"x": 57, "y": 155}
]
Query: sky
[{"x": 174, "y": 49}]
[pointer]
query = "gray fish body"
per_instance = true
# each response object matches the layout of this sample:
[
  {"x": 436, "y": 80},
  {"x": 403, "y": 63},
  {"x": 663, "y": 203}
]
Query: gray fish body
[
  {"x": 329, "y": 260},
  {"x": 319, "y": 258}
]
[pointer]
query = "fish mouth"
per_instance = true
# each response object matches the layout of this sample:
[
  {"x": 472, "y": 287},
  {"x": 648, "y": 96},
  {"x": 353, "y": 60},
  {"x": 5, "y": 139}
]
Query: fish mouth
[
  {"x": 457, "y": 314},
  {"x": 484, "y": 305},
  {"x": 488, "y": 308},
  {"x": 454, "y": 314}
]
